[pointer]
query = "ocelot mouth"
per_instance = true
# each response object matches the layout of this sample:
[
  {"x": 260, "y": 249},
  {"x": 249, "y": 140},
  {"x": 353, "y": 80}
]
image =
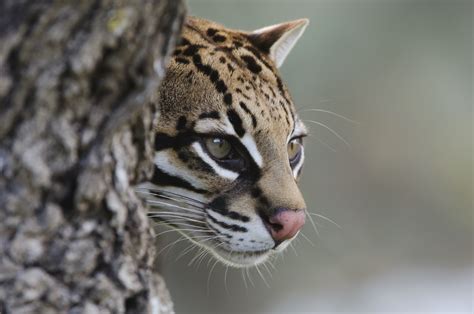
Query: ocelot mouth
[{"x": 242, "y": 259}]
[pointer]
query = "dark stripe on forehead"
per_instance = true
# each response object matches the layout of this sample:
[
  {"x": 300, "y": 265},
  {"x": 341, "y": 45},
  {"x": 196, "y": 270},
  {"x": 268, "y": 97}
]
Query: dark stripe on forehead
[
  {"x": 214, "y": 76},
  {"x": 287, "y": 114},
  {"x": 236, "y": 122},
  {"x": 163, "y": 179},
  {"x": 261, "y": 58},
  {"x": 247, "y": 110}
]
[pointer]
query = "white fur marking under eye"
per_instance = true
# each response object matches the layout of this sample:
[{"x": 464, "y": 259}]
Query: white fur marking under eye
[
  {"x": 297, "y": 168},
  {"x": 251, "y": 146},
  {"x": 231, "y": 175},
  {"x": 162, "y": 161}
]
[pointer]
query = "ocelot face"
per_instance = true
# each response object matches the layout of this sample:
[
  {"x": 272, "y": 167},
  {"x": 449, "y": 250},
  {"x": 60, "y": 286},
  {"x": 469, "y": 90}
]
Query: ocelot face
[{"x": 229, "y": 145}]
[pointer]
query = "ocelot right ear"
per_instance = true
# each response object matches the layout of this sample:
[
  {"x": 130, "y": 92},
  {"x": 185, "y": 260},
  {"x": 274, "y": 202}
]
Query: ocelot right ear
[{"x": 278, "y": 40}]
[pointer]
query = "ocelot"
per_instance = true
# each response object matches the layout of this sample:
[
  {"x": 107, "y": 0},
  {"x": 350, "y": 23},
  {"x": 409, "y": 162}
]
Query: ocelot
[{"x": 229, "y": 143}]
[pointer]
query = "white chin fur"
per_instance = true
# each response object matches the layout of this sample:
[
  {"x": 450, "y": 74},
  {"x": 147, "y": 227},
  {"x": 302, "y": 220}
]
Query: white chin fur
[{"x": 241, "y": 260}]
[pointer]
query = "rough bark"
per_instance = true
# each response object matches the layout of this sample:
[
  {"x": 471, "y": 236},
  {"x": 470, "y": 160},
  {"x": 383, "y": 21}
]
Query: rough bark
[{"x": 77, "y": 80}]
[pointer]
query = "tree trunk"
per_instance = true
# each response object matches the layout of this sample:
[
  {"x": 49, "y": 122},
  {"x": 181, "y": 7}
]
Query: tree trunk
[{"x": 77, "y": 80}]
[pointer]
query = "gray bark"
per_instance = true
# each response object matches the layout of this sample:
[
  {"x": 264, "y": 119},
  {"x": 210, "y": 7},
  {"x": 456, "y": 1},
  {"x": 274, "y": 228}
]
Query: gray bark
[{"x": 77, "y": 80}]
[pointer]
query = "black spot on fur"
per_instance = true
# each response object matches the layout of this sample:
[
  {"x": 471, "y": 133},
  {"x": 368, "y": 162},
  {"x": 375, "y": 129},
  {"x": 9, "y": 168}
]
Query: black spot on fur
[
  {"x": 191, "y": 50},
  {"x": 237, "y": 44},
  {"x": 181, "y": 124},
  {"x": 259, "y": 56},
  {"x": 228, "y": 99},
  {"x": 211, "y": 32},
  {"x": 210, "y": 115},
  {"x": 252, "y": 64},
  {"x": 184, "y": 41},
  {"x": 221, "y": 87},
  {"x": 214, "y": 76},
  {"x": 236, "y": 122},
  {"x": 237, "y": 216},
  {"x": 219, "y": 204},
  {"x": 182, "y": 60},
  {"x": 183, "y": 156},
  {"x": 219, "y": 38},
  {"x": 222, "y": 60},
  {"x": 256, "y": 192}
]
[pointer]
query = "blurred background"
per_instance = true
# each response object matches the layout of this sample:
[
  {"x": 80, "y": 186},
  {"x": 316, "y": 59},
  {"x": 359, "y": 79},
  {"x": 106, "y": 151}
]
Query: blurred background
[{"x": 401, "y": 193}]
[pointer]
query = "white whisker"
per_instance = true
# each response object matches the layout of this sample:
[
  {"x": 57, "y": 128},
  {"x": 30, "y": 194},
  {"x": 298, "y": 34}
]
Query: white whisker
[
  {"x": 225, "y": 279},
  {"x": 268, "y": 270},
  {"x": 312, "y": 222},
  {"x": 310, "y": 242},
  {"x": 323, "y": 142},
  {"x": 334, "y": 114},
  {"x": 170, "y": 222},
  {"x": 174, "y": 229},
  {"x": 325, "y": 218},
  {"x": 210, "y": 273},
  {"x": 294, "y": 250},
  {"x": 154, "y": 202},
  {"x": 261, "y": 275},
  {"x": 249, "y": 276},
  {"x": 244, "y": 279},
  {"x": 185, "y": 218},
  {"x": 330, "y": 130}
]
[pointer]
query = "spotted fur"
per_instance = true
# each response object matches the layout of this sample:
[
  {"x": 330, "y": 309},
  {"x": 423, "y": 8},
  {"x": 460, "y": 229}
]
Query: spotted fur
[{"x": 223, "y": 82}]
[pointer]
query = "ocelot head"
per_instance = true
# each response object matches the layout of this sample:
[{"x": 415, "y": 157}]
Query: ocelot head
[{"x": 229, "y": 144}]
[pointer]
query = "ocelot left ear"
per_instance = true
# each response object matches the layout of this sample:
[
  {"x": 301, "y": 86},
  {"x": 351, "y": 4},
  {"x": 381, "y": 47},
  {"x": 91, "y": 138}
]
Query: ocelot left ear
[{"x": 278, "y": 40}]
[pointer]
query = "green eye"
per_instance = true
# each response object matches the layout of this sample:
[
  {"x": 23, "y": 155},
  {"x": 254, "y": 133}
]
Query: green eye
[
  {"x": 219, "y": 148},
  {"x": 294, "y": 150}
]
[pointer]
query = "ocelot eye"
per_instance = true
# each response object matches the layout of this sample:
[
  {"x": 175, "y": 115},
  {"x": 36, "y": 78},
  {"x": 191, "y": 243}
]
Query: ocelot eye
[
  {"x": 225, "y": 152},
  {"x": 294, "y": 150},
  {"x": 218, "y": 147}
]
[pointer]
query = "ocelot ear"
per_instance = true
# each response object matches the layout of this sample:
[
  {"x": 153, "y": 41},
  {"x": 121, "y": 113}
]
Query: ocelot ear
[{"x": 278, "y": 40}]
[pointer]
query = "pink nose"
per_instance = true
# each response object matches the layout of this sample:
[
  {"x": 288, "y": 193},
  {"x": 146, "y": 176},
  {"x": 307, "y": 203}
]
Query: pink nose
[{"x": 285, "y": 223}]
